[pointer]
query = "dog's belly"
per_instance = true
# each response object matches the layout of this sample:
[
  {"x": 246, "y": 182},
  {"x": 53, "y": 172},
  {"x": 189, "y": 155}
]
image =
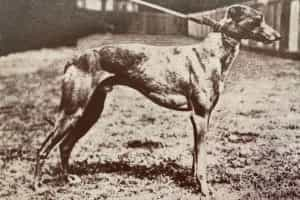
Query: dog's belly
[
  {"x": 163, "y": 84},
  {"x": 172, "y": 101},
  {"x": 162, "y": 92}
]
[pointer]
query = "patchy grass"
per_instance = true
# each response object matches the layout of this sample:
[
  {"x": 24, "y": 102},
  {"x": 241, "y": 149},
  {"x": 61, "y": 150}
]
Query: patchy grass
[{"x": 139, "y": 150}]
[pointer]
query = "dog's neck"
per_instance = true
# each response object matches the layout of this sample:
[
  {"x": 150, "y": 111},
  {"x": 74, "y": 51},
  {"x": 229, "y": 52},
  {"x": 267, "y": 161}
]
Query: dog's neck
[
  {"x": 229, "y": 42},
  {"x": 225, "y": 49},
  {"x": 231, "y": 48}
]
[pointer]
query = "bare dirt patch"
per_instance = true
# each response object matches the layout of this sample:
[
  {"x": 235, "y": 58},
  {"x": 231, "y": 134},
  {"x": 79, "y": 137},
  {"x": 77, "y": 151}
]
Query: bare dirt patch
[{"x": 139, "y": 150}]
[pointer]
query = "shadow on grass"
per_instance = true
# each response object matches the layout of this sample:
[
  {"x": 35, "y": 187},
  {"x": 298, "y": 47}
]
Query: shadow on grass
[
  {"x": 146, "y": 144},
  {"x": 181, "y": 176}
]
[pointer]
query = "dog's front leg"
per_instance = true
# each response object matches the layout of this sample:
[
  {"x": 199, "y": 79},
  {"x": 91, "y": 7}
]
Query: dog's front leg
[{"x": 199, "y": 154}]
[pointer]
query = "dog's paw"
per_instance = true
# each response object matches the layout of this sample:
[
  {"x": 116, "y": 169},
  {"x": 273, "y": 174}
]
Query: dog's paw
[
  {"x": 207, "y": 192},
  {"x": 38, "y": 187},
  {"x": 73, "y": 179}
]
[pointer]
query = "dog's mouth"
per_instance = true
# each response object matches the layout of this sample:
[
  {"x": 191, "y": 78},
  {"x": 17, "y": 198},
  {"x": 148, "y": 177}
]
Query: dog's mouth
[
  {"x": 269, "y": 39},
  {"x": 264, "y": 38}
]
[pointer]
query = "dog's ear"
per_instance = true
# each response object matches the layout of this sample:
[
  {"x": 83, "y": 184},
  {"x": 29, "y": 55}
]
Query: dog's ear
[
  {"x": 238, "y": 13},
  {"x": 235, "y": 13}
]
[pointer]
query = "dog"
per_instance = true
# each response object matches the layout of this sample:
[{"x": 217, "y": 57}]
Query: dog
[{"x": 186, "y": 78}]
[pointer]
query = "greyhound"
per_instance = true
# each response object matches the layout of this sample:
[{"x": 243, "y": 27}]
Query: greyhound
[{"x": 186, "y": 78}]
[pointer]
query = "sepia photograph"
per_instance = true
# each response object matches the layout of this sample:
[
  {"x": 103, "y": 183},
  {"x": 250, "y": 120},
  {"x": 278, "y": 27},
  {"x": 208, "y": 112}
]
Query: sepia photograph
[{"x": 150, "y": 100}]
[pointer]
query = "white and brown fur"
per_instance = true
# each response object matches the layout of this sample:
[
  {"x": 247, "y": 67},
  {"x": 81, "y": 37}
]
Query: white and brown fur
[{"x": 187, "y": 78}]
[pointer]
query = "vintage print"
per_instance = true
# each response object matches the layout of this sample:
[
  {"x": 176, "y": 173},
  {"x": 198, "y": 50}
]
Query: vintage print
[{"x": 148, "y": 99}]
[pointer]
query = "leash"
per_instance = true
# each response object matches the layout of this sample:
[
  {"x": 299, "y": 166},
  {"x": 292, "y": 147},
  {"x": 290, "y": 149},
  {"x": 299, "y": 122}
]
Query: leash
[
  {"x": 217, "y": 27},
  {"x": 203, "y": 20}
]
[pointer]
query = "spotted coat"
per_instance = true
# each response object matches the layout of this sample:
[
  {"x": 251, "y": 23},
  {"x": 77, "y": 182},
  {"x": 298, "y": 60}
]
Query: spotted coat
[{"x": 172, "y": 76}]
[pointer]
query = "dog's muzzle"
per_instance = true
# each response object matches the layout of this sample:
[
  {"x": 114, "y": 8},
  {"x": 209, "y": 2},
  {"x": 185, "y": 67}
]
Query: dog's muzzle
[{"x": 266, "y": 34}]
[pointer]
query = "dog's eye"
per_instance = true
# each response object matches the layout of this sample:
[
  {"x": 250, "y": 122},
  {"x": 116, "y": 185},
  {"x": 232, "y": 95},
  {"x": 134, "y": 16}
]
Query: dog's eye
[
  {"x": 257, "y": 21},
  {"x": 259, "y": 18}
]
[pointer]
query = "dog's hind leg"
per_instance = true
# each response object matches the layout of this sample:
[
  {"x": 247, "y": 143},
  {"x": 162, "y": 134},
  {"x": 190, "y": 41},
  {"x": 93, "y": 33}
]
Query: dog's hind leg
[
  {"x": 76, "y": 90},
  {"x": 90, "y": 116},
  {"x": 62, "y": 127}
]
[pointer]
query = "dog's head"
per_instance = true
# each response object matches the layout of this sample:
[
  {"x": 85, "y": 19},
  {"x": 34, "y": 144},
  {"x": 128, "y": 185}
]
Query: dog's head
[{"x": 248, "y": 23}]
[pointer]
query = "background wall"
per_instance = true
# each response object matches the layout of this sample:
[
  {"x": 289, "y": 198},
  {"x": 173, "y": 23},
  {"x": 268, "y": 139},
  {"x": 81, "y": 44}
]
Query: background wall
[{"x": 27, "y": 24}]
